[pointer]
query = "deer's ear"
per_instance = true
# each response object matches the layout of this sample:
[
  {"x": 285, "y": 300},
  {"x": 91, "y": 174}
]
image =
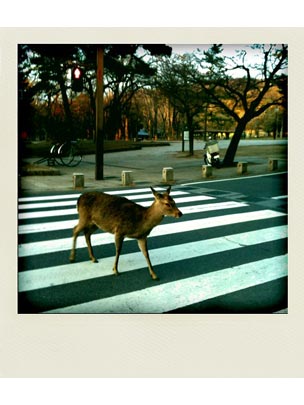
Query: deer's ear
[
  {"x": 169, "y": 189},
  {"x": 154, "y": 192},
  {"x": 157, "y": 195}
]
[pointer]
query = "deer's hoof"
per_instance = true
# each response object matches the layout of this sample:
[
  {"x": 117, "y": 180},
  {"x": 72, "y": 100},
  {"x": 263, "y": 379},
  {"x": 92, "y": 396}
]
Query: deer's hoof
[
  {"x": 94, "y": 260},
  {"x": 115, "y": 271}
]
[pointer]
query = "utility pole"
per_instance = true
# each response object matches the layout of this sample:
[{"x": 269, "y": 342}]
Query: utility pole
[{"x": 99, "y": 116}]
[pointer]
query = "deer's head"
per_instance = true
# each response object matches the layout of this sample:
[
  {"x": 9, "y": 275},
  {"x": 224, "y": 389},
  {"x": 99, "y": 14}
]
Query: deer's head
[{"x": 166, "y": 203}]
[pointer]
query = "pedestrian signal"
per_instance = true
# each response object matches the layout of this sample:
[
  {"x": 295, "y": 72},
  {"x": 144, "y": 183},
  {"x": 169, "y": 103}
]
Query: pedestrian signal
[{"x": 77, "y": 79}]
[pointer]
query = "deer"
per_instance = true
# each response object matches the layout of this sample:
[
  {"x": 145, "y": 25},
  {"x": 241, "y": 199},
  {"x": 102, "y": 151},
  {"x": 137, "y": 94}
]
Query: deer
[{"x": 123, "y": 218}]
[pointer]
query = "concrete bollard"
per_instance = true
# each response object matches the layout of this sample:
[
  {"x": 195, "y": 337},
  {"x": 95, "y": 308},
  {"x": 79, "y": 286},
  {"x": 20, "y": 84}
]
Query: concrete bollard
[
  {"x": 126, "y": 177},
  {"x": 78, "y": 180},
  {"x": 272, "y": 164},
  {"x": 206, "y": 171},
  {"x": 168, "y": 174},
  {"x": 241, "y": 167}
]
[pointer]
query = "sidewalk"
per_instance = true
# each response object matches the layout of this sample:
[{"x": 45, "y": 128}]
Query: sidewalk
[{"x": 146, "y": 165}]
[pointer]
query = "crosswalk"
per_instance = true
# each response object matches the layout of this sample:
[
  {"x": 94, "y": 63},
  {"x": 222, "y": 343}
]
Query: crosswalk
[{"x": 222, "y": 256}]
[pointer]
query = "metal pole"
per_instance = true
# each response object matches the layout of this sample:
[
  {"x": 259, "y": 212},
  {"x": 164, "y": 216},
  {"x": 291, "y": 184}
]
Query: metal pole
[{"x": 99, "y": 116}]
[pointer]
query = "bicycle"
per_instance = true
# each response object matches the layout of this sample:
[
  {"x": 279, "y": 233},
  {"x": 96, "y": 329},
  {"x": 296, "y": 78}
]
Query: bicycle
[{"x": 66, "y": 154}]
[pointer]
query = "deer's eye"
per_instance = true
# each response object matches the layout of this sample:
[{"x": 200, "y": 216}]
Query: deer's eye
[{"x": 168, "y": 205}]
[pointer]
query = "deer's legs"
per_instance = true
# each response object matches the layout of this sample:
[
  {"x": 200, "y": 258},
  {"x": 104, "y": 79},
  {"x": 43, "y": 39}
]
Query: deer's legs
[
  {"x": 87, "y": 233},
  {"x": 77, "y": 229},
  {"x": 142, "y": 243},
  {"x": 118, "y": 245}
]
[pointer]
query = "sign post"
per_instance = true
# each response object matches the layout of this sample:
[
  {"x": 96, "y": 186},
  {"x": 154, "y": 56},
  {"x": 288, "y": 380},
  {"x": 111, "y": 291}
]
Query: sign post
[{"x": 185, "y": 138}]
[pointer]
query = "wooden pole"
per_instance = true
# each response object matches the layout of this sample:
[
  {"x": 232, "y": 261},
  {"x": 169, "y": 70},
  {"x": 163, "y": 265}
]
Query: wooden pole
[{"x": 99, "y": 116}]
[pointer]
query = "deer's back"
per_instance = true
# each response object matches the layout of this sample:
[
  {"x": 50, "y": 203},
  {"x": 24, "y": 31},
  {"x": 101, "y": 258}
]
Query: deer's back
[{"x": 112, "y": 213}]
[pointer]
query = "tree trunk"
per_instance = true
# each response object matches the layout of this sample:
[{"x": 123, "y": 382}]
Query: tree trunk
[
  {"x": 92, "y": 98},
  {"x": 232, "y": 148},
  {"x": 191, "y": 132},
  {"x": 99, "y": 158},
  {"x": 191, "y": 141},
  {"x": 66, "y": 106}
]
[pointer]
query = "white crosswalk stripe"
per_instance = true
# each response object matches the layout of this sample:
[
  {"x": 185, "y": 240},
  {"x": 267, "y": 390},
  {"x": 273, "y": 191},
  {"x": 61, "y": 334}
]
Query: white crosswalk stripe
[
  {"x": 57, "y": 245},
  {"x": 47, "y": 277},
  {"x": 72, "y": 202},
  {"x": 60, "y": 225},
  {"x": 169, "y": 296},
  {"x": 38, "y": 216},
  {"x": 74, "y": 210}
]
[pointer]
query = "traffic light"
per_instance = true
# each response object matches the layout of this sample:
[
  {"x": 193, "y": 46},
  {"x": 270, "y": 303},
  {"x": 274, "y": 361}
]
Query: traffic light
[{"x": 77, "y": 79}]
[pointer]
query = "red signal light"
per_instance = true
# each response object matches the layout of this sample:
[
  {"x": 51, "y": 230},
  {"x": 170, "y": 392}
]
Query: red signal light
[
  {"x": 77, "y": 73},
  {"x": 77, "y": 79}
]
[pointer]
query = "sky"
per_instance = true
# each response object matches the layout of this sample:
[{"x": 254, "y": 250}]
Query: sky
[{"x": 229, "y": 50}]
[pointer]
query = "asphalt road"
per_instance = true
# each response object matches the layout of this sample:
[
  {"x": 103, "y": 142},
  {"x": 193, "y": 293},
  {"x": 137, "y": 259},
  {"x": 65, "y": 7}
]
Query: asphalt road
[
  {"x": 227, "y": 254},
  {"x": 266, "y": 189}
]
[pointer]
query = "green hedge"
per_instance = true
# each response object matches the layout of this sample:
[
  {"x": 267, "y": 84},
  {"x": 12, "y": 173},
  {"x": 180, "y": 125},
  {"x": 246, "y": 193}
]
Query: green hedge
[{"x": 41, "y": 149}]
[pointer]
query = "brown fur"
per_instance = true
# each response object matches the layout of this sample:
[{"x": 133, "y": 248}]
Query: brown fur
[{"x": 123, "y": 218}]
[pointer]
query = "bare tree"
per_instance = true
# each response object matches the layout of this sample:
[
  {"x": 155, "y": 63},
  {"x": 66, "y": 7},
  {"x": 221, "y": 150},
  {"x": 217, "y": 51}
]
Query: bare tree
[
  {"x": 246, "y": 97},
  {"x": 178, "y": 79}
]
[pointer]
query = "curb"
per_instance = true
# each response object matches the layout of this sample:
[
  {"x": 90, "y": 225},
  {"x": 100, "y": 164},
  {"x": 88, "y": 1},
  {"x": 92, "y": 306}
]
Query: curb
[{"x": 35, "y": 170}]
